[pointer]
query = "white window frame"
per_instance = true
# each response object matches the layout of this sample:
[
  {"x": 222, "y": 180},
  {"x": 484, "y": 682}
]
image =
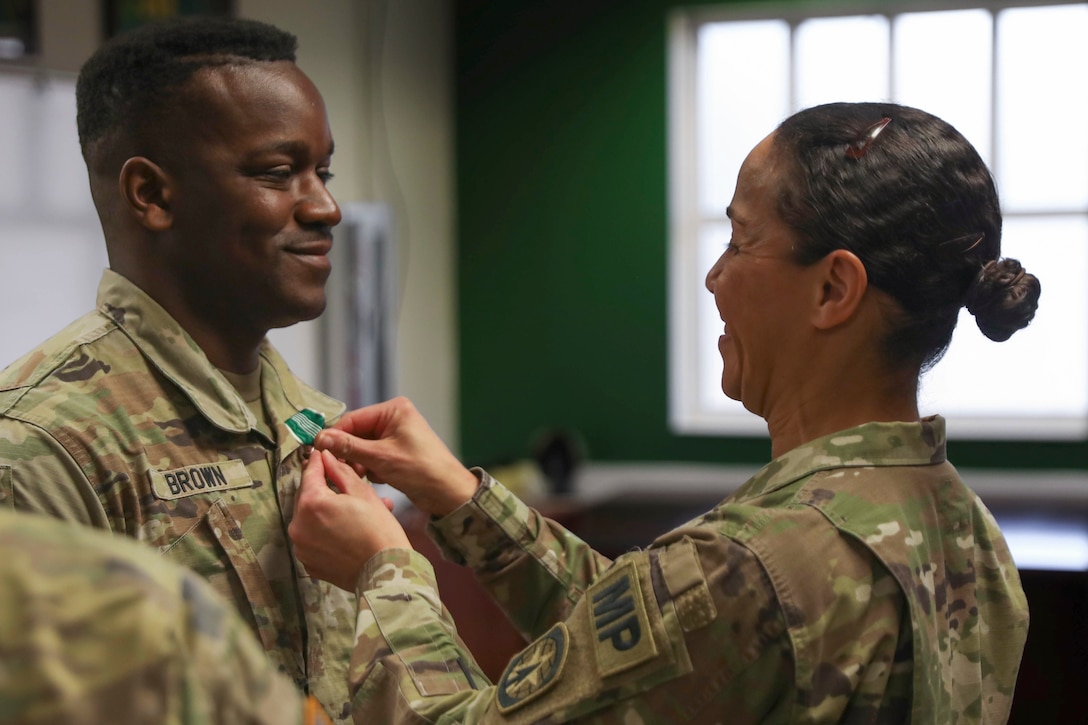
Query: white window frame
[{"x": 687, "y": 416}]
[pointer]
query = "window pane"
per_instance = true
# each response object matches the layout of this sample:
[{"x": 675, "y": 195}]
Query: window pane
[
  {"x": 979, "y": 377},
  {"x": 842, "y": 59},
  {"x": 712, "y": 242},
  {"x": 944, "y": 62},
  {"x": 742, "y": 93},
  {"x": 1042, "y": 104},
  {"x": 943, "y": 65}
]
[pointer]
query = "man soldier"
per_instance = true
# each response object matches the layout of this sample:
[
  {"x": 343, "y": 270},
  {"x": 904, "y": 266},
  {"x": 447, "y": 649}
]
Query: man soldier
[{"x": 165, "y": 414}]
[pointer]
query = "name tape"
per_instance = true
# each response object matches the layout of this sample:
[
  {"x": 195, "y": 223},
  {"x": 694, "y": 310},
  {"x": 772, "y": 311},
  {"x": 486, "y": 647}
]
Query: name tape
[{"x": 200, "y": 478}]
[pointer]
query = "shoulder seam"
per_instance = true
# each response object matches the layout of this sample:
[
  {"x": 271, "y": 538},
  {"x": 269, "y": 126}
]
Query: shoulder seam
[{"x": 105, "y": 326}]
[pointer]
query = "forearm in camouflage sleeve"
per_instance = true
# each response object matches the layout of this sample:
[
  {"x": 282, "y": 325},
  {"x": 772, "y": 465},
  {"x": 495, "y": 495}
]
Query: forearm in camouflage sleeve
[
  {"x": 653, "y": 641},
  {"x": 229, "y": 669},
  {"x": 534, "y": 568},
  {"x": 408, "y": 661}
]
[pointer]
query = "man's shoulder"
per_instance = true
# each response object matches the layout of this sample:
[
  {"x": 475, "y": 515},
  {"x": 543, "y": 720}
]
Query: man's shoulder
[
  {"x": 108, "y": 586},
  {"x": 123, "y": 613},
  {"x": 40, "y": 362},
  {"x": 77, "y": 357}
]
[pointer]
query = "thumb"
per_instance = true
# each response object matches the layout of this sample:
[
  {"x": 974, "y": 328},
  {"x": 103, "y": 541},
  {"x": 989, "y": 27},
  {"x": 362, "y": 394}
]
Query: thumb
[
  {"x": 342, "y": 475},
  {"x": 313, "y": 479},
  {"x": 344, "y": 446}
]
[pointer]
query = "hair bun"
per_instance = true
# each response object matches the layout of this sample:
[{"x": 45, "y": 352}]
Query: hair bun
[{"x": 1003, "y": 298}]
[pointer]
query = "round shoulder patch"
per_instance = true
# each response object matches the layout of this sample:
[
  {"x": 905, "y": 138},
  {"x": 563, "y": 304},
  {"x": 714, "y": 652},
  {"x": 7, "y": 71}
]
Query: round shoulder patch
[{"x": 534, "y": 670}]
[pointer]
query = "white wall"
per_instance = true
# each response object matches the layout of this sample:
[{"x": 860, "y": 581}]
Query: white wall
[{"x": 385, "y": 70}]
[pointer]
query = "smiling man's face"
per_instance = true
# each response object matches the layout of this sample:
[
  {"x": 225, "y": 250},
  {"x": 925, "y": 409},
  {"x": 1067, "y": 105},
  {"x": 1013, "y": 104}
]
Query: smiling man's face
[{"x": 251, "y": 215}]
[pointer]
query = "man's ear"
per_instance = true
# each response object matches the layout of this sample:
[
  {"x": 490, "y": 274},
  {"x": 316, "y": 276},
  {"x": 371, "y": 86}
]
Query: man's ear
[
  {"x": 843, "y": 286},
  {"x": 147, "y": 192}
]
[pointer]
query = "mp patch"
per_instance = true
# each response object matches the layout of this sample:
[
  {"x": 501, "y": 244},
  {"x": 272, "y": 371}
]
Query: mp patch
[
  {"x": 201, "y": 478},
  {"x": 621, "y": 627},
  {"x": 305, "y": 425},
  {"x": 533, "y": 672}
]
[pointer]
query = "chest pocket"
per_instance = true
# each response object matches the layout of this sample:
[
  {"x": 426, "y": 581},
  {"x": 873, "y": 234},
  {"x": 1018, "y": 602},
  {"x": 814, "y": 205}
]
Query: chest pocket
[
  {"x": 7, "y": 495},
  {"x": 199, "y": 519}
]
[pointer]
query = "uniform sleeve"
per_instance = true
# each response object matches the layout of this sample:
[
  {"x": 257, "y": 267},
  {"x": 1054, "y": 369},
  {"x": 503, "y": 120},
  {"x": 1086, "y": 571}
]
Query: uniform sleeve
[
  {"x": 534, "y": 568},
  {"x": 38, "y": 475},
  {"x": 100, "y": 629},
  {"x": 227, "y": 675},
  {"x": 679, "y": 632}
]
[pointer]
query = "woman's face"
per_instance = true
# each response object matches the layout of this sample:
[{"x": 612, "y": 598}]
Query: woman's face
[{"x": 760, "y": 292}]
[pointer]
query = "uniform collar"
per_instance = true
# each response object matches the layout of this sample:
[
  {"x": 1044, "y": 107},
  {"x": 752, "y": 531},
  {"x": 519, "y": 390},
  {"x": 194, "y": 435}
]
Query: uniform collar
[
  {"x": 920, "y": 443},
  {"x": 174, "y": 353}
]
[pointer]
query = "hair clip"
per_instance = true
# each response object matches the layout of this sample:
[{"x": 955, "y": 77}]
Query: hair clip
[
  {"x": 965, "y": 243},
  {"x": 859, "y": 148},
  {"x": 975, "y": 243}
]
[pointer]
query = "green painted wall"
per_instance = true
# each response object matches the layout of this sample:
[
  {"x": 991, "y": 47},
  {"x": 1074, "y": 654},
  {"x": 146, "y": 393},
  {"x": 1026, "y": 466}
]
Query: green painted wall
[{"x": 562, "y": 233}]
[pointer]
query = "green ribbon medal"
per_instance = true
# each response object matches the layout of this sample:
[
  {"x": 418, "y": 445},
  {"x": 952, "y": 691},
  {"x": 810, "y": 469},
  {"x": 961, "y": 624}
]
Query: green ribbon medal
[{"x": 305, "y": 425}]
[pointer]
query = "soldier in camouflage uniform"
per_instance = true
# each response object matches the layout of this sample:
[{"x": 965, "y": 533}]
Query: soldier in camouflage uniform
[
  {"x": 164, "y": 414},
  {"x": 853, "y": 579},
  {"x": 95, "y": 629}
]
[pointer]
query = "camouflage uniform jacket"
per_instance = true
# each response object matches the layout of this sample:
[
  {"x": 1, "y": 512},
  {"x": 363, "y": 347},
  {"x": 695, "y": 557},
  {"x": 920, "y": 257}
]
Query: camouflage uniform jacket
[
  {"x": 95, "y": 629},
  {"x": 853, "y": 579},
  {"x": 121, "y": 422}
]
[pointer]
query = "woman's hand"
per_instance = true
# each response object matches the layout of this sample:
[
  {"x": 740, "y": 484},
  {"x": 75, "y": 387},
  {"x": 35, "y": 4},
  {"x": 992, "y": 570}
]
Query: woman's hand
[
  {"x": 391, "y": 443},
  {"x": 335, "y": 534}
]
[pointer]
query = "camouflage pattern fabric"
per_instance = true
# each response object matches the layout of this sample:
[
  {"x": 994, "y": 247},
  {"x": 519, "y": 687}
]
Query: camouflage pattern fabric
[
  {"x": 854, "y": 579},
  {"x": 120, "y": 422},
  {"x": 94, "y": 629}
]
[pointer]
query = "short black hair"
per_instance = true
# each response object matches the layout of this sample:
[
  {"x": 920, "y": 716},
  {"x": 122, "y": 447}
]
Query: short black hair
[{"x": 130, "y": 79}]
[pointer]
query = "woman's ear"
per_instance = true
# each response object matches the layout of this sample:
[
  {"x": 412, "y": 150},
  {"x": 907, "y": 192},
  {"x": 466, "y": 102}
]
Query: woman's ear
[
  {"x": 843, "y": 286},
  {"x": 147, "y": 191}
]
